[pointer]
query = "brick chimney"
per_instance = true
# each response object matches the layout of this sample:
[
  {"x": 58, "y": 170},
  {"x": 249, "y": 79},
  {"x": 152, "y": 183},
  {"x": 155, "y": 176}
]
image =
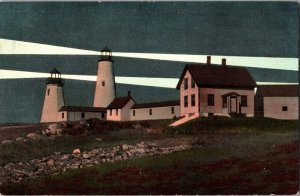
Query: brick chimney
[
  {"x": 208, "y": 60},
  {"x": 223, "y": 62}
]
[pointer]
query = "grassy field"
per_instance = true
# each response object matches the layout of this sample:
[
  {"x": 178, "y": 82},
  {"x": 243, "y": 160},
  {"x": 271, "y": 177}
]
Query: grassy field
[
  {"x": 197, "y": 171},
  {"x": 219, "y": 124},
  {"x": 242, "y": 156}
]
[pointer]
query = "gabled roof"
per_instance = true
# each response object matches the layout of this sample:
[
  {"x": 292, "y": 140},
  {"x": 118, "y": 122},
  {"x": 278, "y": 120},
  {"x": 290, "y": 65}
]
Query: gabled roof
[
  {"x": 119, "y": 102},
  {"x": 221, "y": 76},
  {"x": 82, "y": 109},
  {"x": 279, "y": 90},
  {"x": 156, "y": 104}
]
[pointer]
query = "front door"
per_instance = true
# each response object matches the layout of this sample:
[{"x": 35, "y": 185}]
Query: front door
[{"x": 233, "y": 104}]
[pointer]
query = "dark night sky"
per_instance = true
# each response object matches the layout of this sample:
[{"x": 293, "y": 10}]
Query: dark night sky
[{"x": 217, "y": 28}]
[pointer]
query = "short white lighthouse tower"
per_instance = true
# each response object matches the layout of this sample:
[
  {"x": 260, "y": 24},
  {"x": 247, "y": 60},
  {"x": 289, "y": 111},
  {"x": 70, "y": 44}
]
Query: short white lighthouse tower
[
  {"x": 105, "y": 91},
  {"x": 54, "y": 97}
]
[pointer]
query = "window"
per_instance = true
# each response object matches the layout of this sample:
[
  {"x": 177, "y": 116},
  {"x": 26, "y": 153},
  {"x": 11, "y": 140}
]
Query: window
[
  {"x": 103, "y": 83},
  {"x": 224, "y": 102},
  {"x": 102, "y": 115},
  {"x": 172, "y": 110},
  {"x": 185, "y": 83},
  {"x": 110, "y": 112},
  {"x": 82, "y": 115},
  {"x": 210, "y": 100},
  {"x": 62, "y": 115},
  {"x": 150, "y": 111},
  {"x": 185, "y": 101},
  {"x": 193, "y": 84},
  {"x": 117, "y": 112},
  {"x": 133, "y": 112},
  {"x": 284, "y": 108},
  {"x": 193, "y": 100},
  {"x": 244, "y": 101},
  {"x": 48, "y": 91}
]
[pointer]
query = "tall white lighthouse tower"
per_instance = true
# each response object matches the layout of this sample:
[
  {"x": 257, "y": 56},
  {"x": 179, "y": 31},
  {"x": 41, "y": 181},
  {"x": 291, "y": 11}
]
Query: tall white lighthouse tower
[
  {"x": 54, "y": 97},
  {"x": 105, "y": 91}
]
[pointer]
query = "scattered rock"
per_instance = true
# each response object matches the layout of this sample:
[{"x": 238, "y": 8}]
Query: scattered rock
[
  {"x": 76, "y": 151},
  {"x": 57, "y": 162},
  {"x": 5, "y": 142}
]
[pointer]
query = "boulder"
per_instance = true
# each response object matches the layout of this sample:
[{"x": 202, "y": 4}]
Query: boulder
[
  {"x": 83, "y": 122},
  {"x": 129, "y": 153},
  {"x": 142, "y": 146},
  {"x": 125, "y": 147},
  {"x": 137, "y": 126},
  {"x": 86, "y": 156},
  {"x": 140, "y": 151},
  {"x": 9, "y": 165},
  {"x": 98, "y": 139},
  {"x": 76, "y": 151},
  {"x": 152, "y": 144},
  {"x": 58, "y": 131},
  {"x": 5, "y": 142},
  {"x": 33, "y": 136},
  {"x": 50, "y": 162},
  {"x": 64, "y": 124},
  {"x": 94, "y": 151},
  {"x": 65, "y": 157},
  {"x": 20, "y": 139},
  {"x": 55, "y": 128},
  {"x": 137, "y": 151}
]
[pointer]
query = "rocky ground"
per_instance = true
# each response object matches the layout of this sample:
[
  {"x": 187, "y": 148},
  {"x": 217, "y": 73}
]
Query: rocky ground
[
  {"x": 39, "y": 152},
  {"x": 57, "y": 163}
]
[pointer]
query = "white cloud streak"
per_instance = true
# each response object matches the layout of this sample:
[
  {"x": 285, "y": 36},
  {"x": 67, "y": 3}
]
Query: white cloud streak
[
  {"x": 140, "y": 81},
  {"x": 14, "y": 47}
]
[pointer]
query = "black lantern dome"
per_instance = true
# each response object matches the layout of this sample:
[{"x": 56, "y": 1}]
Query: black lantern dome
[
  {"x": 55, "y": 78},
  {"x": 106, "y": 54}
]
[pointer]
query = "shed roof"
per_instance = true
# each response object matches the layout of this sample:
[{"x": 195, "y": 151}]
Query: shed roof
[
  {"x": 279, "y": 90},
  {"x": 119, "y": 102},
  {"x": 156, "y": 104},
  {"x": 221, "y": 76},
  {"x": 82, "y": 109}
]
